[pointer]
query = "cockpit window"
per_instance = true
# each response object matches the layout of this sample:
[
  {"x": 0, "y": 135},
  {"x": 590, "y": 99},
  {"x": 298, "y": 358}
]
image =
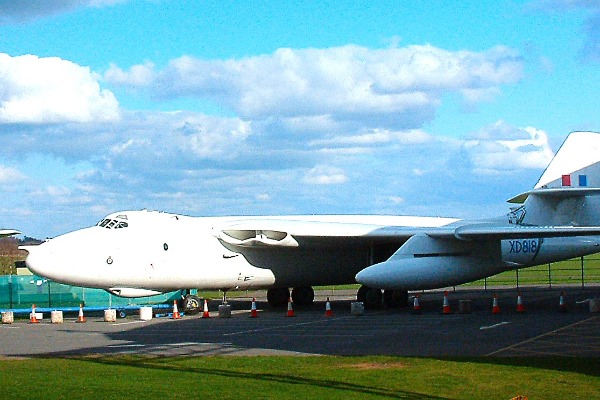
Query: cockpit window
[{"x": 113, "y": 223}]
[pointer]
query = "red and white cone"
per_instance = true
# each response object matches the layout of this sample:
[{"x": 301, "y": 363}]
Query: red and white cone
[
  {"x": 205, "y": 314},
  {"x": 328, "y": 312},
  {"x": 446, "y": 306},
  {"x": 562, "y": 307},
  {"x": 32, "y": 318},
  {"x": 520, "y": 305},
  {"x": 416, "y": 306},
  {"x": 290, "y": 309},
  {"x": 176, "y": 314},
  {"x": 80, "y": 317},
  {"x": 495, "y": 306},
  {"x": 253, "y": 310}
]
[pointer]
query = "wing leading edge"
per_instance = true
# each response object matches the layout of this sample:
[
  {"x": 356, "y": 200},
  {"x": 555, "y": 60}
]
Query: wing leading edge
[{"x": 294, "y": 233}]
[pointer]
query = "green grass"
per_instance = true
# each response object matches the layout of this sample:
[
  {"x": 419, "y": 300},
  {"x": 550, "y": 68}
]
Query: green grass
[{"x": 299, "y": 377}]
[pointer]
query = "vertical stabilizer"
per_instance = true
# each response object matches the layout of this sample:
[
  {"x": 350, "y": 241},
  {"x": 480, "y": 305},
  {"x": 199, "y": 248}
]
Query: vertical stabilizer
[
  {"x": 567, "y": 192},
  {"x": 575, "y": 164}
]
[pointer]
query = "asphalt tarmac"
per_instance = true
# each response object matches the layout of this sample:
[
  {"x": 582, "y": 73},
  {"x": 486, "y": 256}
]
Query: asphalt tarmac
[{"x": 539, "y": 331}]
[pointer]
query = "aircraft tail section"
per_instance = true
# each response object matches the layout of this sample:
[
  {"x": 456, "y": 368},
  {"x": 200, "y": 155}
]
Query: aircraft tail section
[{"x": 567, "y": 192}]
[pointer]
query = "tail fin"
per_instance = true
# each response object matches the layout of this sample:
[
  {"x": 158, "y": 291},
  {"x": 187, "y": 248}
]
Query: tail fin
[{"x": 566, "y": 193}]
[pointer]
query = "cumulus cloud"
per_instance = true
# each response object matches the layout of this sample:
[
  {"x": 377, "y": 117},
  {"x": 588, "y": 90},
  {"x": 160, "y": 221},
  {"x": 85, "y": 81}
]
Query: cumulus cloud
[
  {"x": 51, "y": 90},
  {"x": 500, "y": 147},
  {"x": 9, "y": 175},
  {"x": 17, "y": 11},
  {"x": 398, "y": 87},
  {"x": 325, "y": 175}
]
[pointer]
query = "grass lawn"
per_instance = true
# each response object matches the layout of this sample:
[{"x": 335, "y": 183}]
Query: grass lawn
[{"x": 140, "y": 377}]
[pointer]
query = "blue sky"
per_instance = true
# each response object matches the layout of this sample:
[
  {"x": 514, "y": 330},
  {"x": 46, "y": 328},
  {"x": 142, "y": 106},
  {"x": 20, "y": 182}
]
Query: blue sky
[{"x": 220, "y": 108}]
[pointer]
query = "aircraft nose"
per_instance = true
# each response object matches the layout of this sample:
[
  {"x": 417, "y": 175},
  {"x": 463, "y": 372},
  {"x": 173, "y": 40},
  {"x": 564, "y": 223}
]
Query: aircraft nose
[
  {"x": 39, "y": 260},
  {"x": 35, "y": 261}
]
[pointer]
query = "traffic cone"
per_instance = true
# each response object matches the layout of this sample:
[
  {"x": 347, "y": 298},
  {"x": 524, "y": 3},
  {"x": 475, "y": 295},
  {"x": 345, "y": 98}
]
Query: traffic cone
[
  {"x": 520, "y": 306},
  {"x": 495, "y": 306},
  {"x": 32, "y": 318},
  {"x": 416, "y": 306},
  {"x": 562, "y": 307},
  {"x": 205, "y": 314},
  {"x": 253, "y": 310},
  {"x": 446, "y": 306},
  {"x": 80, "y": 318},
  {"x": 176, "y": 314},
  {"x": 290, "y": 310},
  {"x": 328, "y": 312}
]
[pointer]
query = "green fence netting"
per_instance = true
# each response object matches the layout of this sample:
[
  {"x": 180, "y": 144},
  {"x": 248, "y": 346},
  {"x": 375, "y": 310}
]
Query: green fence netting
[{"x": 22, "y": 291}]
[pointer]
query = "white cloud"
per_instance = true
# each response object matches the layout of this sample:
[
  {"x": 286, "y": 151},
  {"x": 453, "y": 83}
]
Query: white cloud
[
  {"x": 398, "y": 87},
  {"x": 138, "y": 75},
  {"x": 325, "y": 175},
  {"x": 51, "y": 90},
  {"x": 9, "y": 175},
  {"x": 500, "y": 147}
]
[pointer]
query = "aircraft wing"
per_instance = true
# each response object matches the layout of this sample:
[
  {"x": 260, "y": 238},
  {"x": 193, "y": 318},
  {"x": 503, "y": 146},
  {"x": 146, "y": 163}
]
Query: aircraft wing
[
  {"x": 292, "y": 233},
  {"x": 8, "y": 232}
]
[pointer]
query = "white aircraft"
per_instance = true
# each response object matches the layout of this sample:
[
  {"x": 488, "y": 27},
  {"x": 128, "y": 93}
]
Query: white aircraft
[
  {"x": 142, "y": 253},
  {"x": 8, "y": 232}
]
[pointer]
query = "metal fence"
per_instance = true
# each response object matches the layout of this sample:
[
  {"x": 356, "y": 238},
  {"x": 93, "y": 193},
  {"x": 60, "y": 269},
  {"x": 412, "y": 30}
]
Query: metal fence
[
  {"x": 580, "y": 272},
  {"x": 22, "y": 291}
]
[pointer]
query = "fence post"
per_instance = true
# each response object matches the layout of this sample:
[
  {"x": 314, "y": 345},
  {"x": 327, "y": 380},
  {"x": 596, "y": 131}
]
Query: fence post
[
  {"x": 517, "y": 278},
  {"x": 582, "y": 275},
  {"x": 49, "y": 294},
  {"x": 549, "y": 276},
  {"x": 10, "y": 292}
]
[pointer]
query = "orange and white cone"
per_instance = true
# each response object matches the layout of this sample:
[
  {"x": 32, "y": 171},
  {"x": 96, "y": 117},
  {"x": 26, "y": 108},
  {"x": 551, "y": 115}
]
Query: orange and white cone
[
  {"x": 416, "y": 306},
  {"x": 176, "y": 314},
  {"x": 290, "y": 309},
  {"x": 446, "y": 306},
  {"x": 495, "y": 306},
  {"x": 562, "y": 307},
  {"x": 328, "y": 312},
  {"x": 32, "y": 318},
  {"x": 80, "y": 317},
  {"x": 520, "y": 306},
  {"x": 205, "y": 314},
  {"x": 253, "y": 310}
]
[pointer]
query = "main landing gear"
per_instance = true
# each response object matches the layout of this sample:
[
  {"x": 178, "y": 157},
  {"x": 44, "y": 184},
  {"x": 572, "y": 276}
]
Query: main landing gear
[
  {"x": 375, "y": 298},
  {"x": 190, "y": 303},
  {"x": 301, "y": 295}
]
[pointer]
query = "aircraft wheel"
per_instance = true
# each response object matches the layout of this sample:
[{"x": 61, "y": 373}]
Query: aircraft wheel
[
  {"x": 278, "y": 297},
  {"x": 191, "y": 304},
  {"x": 362, "y": 293},
  {"x": 303, "y": 295},
  {"x": 395, "y": 298},
  {"x": 370, "y": 296}
]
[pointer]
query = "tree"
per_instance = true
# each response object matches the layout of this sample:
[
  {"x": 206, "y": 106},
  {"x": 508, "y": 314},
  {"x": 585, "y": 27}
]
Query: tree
[{"x": 9, "y": 253}]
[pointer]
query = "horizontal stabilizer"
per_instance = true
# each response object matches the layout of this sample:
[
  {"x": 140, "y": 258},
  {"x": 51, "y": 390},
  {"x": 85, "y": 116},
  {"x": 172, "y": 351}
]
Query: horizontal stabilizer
[{"x": 556, "y": 192}]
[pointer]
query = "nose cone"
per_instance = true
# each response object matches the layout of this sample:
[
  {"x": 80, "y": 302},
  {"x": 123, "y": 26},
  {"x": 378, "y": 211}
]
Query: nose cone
[
  {"x": 40, "y": 261},
  {"x": 60, "y": 259}
]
